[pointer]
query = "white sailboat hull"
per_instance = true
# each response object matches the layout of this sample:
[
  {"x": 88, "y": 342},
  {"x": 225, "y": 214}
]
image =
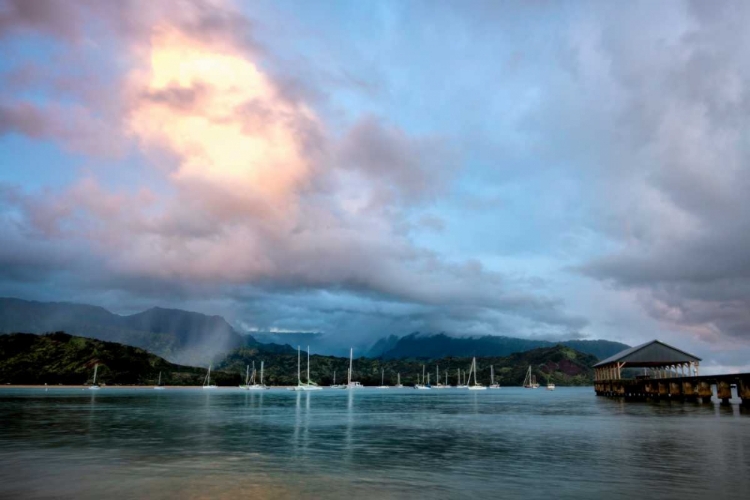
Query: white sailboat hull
[
  {"x": 307, "y": 388},
  {"x": 158, "y": 388},
  {"x": 94, "y": 388},
  {"x": 210, "y": 386},
  {"x": 477, "y": 388}
]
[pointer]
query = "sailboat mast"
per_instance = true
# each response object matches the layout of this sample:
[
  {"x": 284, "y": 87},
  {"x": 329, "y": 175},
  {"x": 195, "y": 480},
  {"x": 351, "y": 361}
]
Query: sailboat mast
[
  {"x": 399, "y": 379},
  {"x": 299, "y": 378},
  {"x": 96, "y": 367},
  {"x": 308, "y": 365},
  {"x": 247, "y": 375},
  {"x": 351, "y": 355},
  {"x": 382, "y": 376},
  {"x": 208, "y": 376},
  {"x": 334, "y": 377},
  {"x": 159, "y": 382},
  {"x": 437, "y": 374},
  {"x": 261, "y": 373}
]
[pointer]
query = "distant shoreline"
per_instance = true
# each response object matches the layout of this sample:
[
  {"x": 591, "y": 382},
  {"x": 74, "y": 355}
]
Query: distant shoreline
[{"x": 37, "y": 386}]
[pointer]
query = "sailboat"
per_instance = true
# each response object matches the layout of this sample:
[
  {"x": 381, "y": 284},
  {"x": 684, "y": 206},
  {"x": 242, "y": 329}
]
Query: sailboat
[
  {"x": 256, "y": 386},
  {"x": 399, "y": 385},
  {"x": 308, "y": 386},
  {"x": 335, "y": 385},
  {"x": 158, "y": 386},
  {"x": 350, "y": 384},
  {"x": 421, "y": 385},
  {"x": 493, "y": 385},
  {"x": 530, "y": 381},
  {"x": 438, "y": 385},
  {"x": 382, "y": 380},
  {"x": 94, "y": 386},
  {"x": 207, "y": 380},
  {"x": 460, "y": 384},
  {"x": 247, "y": 376},
  {"x": 550, "y": 385},
  {"x": 477, "y": 386}
]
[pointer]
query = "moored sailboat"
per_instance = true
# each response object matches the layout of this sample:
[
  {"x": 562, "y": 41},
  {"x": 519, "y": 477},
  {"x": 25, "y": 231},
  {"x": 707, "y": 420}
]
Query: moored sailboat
[
  {"x": 309, "y": 385},
  {"x": 420, "y": 385},
  {"x": 438, "y": 385},
  {"x": 460, "y": 384},
  {"x": 351, "y": 384},
  {"x": 398, "y": 385},
  {"x": 382, "y": 379},
  {"x": 530, "y": 381},
  {"x": 493, "y": 385},
  {"x": 94, "y": 386},
  {"x": 477, "y": 386},
  {"x": 207, "y": 380},
  {"x": 252, "y": 384},
  {"x": 335, "y": 385},
  {"x": 158, "y": 386}
]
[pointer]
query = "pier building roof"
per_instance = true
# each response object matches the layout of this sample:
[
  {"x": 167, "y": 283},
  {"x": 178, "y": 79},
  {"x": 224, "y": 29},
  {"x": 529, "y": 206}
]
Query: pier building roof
[{"x": 654, "y": 353}]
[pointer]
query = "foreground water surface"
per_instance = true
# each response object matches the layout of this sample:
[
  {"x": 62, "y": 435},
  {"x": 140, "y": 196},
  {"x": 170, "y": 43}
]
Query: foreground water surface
[{"x": 227, "y": 443}]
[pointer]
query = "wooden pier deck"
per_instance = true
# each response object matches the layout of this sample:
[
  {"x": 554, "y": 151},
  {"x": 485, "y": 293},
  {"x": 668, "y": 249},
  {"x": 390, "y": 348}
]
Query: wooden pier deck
[{"x": 687, "y": 388}]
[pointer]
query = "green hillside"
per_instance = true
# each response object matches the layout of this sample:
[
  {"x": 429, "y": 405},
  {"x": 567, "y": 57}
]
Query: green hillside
[
  {"x": 563, "y": 365},
  {"x": 59, "y": 358}
]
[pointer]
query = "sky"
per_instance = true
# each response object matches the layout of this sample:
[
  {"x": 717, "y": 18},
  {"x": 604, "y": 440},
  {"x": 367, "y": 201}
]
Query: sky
[{"x": 535, "y": 169}]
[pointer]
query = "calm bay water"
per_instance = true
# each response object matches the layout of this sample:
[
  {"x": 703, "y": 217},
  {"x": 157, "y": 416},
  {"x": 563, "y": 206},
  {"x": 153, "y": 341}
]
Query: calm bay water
[{"x": 512, "y": 443}]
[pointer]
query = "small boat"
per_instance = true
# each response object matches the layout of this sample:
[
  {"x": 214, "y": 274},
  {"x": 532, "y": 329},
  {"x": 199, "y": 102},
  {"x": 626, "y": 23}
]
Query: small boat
[
  {"x": 550, "y": 385},
  {"x": 382, "y": 380},
  {"x": 399, "y": 385},
  {"x": 309, "y": 385},
  {"x": 158, "y": 386},
  {"x": 529, "y": 382},
  {"x": 493, "y": 385},
  {"x": 351, "y": 384},
  {"x": 207, "y": 380},
  {"x": 94, "y": 386},
  {"x": 477, "y": 386}
]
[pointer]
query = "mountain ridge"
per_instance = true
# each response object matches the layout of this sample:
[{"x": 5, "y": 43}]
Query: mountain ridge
[
  {"x": 433, "y": 346},
  {"x": 180, "y": 336}
]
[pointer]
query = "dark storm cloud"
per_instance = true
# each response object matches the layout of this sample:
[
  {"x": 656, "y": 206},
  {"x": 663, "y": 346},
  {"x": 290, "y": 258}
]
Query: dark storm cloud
[{"x": 689, "y": 170}]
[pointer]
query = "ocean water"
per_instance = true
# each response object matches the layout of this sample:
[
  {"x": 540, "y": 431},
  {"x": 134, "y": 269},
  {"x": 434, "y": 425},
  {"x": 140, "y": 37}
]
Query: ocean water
[{"x": 228, "y": 443}]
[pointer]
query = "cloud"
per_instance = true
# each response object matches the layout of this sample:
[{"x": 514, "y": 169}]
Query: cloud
[
  {"x": 675, "y": 204},
  {"x": 247, "y": 187}
]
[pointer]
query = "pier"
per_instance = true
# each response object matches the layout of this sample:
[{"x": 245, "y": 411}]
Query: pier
[{"x": 658, "y": 371}]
